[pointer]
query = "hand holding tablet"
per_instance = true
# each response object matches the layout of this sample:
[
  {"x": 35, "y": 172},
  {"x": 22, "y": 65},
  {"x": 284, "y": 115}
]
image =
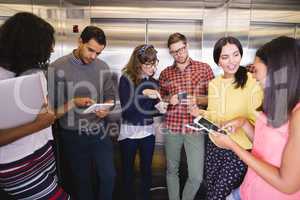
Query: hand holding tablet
[
  {"x": 152, "y": 94},
  {"x": 200, "y": 123},
  {"x": 208, "y": 125},
  {"x": 239, "y": 137},
  {"x": 98, "y": 106}
]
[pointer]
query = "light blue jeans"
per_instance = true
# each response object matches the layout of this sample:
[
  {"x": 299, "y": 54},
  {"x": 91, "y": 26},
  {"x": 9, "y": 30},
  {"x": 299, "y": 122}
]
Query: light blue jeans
[{"x": 235, "y": 195}]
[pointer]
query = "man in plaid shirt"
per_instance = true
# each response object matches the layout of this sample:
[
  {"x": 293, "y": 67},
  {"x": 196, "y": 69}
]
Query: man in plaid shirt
[{"x": 186, "y": 79}]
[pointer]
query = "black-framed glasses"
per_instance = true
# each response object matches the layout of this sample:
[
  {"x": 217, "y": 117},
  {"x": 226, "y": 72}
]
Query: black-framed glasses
[
  {"x": 178, "y": 51},
  {"x": 151, "y": 64}
]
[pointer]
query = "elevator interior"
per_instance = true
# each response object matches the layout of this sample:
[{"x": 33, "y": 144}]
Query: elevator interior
[{"x": 128, "y": 23}]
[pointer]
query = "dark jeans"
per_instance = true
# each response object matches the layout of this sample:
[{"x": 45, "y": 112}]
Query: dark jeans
[
  {"x": 83, "y": 150},
  {"x": 129, "y": 149}
]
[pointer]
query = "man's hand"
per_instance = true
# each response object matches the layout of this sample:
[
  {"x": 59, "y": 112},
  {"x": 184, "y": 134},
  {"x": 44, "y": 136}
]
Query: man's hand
[
  {"x": 191, "y": 101},
  {"x": 174, "y": 100},
  {"x": 196, "y": 112},
  {"x": 83, "y": 101},
  {"x": 102, "y": 113}
]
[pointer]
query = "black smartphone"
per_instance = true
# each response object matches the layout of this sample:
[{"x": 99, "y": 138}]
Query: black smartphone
[
  {"x": 196, "y": 127},
  {"x": 182, "y": 96},
  {"x": 210, "y": 126}
]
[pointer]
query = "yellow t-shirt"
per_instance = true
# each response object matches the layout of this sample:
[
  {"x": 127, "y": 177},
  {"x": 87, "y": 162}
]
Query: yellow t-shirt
[{"x": 225, "y": 103}]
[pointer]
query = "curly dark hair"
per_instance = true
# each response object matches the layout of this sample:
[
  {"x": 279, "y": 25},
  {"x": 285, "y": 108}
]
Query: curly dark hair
[{"x": 26, "y": 42}]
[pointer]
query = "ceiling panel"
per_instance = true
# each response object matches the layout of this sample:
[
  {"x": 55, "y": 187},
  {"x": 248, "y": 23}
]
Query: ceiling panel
[{"x": 259, "y": 4}]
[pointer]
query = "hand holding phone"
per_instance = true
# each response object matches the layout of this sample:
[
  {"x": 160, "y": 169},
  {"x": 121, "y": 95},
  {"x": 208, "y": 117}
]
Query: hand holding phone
[
  {"x": 182, "y": 97},
  {"x": 208, "y": 125}
]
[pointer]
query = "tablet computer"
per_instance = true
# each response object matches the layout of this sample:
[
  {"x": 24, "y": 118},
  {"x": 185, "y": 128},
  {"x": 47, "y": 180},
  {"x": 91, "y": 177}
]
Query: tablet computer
[
  {"x": 98, "y": 106},
  {"x": 208, "y": 125},
  {"x": 21, "y": 99},
  {"x": 195, "y": 127}
]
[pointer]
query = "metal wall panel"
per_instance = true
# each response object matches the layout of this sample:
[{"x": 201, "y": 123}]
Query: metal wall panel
[
  {"x": 158, "y": 32},
  {"x": 123, "y": 35},
  {"x": 261, "y": 33},
  {"x": 218, "y": 18},
  {"x": 214, "y": 27},
  {"x": 298, "y": 31}
]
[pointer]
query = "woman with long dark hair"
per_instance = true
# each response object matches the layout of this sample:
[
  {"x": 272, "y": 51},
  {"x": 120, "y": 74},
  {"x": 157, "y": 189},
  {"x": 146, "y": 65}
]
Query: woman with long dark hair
[
  {"x": 233, "y": 94},
  {"x": 27, "y": 163},
  {"x": 274, "y": 164}
]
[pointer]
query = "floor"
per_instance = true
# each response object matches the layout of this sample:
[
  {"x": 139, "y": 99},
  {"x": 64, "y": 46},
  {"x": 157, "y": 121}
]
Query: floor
[{"x": 159, "y": 188}]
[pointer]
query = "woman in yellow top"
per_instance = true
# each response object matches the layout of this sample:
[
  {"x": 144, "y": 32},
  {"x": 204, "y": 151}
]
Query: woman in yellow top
[{"x": 230, "y": 95}]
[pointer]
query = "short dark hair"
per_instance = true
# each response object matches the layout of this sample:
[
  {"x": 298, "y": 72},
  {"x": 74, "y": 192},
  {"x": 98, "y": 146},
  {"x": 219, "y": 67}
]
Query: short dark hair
[
  {"x": 26, "y": 42},
  {"x": 176, "y": 37},
  {"x": 93, "y": 32},
  {"x": 282, "y": 58},
  {"x": 241, "y": 75}
]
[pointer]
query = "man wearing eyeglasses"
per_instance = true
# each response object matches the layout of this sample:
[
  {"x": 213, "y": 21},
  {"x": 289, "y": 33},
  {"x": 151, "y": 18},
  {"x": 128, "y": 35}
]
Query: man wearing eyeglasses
[{"x": 186, "y": 79}]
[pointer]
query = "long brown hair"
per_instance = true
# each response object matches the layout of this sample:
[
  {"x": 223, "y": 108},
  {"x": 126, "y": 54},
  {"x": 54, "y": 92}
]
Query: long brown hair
[{"x": 142, "y": 54}]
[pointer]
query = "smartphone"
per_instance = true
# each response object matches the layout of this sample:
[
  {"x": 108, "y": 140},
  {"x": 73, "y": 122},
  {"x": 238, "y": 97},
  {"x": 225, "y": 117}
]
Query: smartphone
[
  {"x": 208, "y": 125},
  {"x": 182, "y": 97}
]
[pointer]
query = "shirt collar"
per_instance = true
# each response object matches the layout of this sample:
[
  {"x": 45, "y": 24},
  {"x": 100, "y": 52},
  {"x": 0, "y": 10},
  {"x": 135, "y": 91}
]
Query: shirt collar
[
  {"x": 191, "y": 62},
  {"x": 76, "y": 60},
  {"x": 145, "y": 77}
]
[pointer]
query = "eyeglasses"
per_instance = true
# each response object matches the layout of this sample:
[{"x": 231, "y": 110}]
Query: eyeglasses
[
  {"x": 178, "y": 51},
  {"x": 151, "y": 64}
]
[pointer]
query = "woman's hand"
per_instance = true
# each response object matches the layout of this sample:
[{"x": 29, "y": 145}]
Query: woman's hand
[
  {"x": 234, "y": 124},
  {"x": 191, "y": 101},
  {"x": 222, "y": 140},
  {"x": 151, "y": 93},
  {"x": 45, "y": 118}
]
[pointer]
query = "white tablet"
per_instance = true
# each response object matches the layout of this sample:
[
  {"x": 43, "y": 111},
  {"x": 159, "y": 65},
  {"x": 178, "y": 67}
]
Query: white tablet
[
  {"x": 97, "y": 106},
  {"x": 21, "y": 99}
]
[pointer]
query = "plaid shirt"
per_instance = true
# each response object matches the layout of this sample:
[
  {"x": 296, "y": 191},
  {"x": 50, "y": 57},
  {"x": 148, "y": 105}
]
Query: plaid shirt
[{"x": 193, "y": 80}]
